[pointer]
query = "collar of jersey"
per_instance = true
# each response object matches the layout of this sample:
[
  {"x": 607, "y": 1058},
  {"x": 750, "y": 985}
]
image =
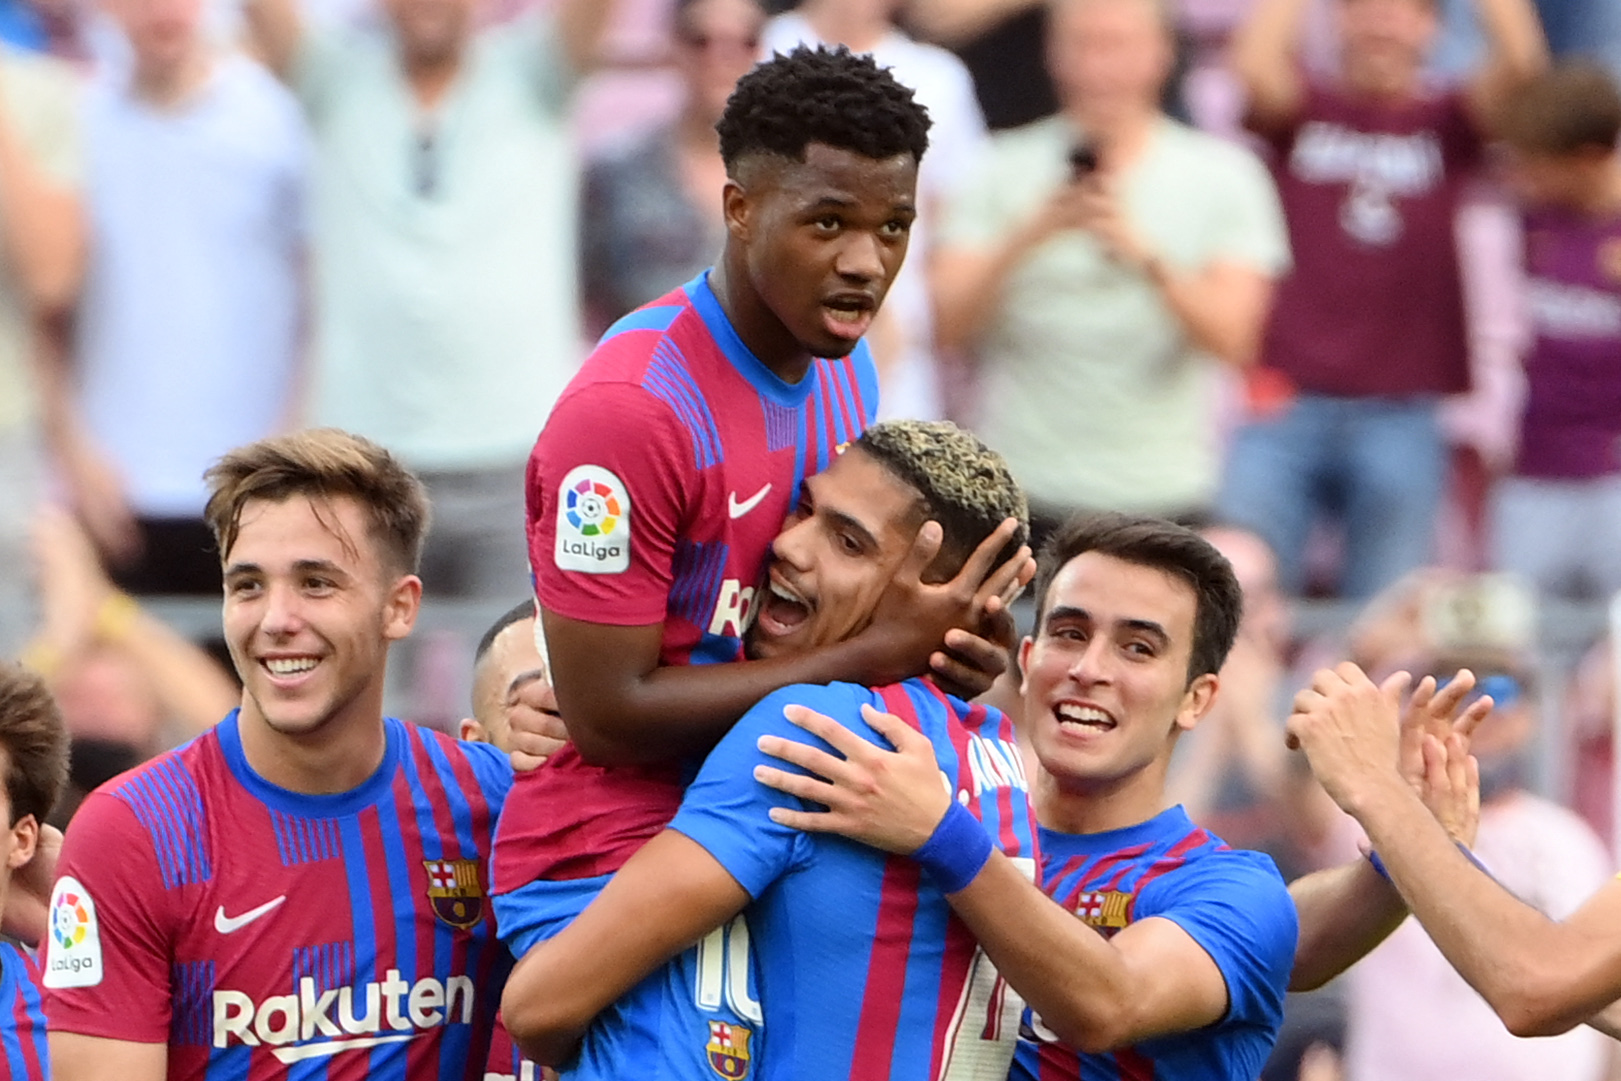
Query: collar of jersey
[
  {"x": 1171, "y": 822},
  {"x": 749, "y": 366},
  {"x": 324, "y": 805}
]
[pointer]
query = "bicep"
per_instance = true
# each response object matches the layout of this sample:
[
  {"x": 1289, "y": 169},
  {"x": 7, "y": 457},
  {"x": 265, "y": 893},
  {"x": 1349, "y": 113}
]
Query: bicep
[
  {"x": 595, "y": 669},
  {"x": 1176, "y": 985},
  {"x": 92, "y": 1058}
]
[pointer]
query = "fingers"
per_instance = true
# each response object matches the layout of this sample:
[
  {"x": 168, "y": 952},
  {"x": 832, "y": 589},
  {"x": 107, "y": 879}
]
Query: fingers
[
  {"x": 1394, "y": 686},
  {"x": 1449, "y": 697},
  {"x": 977, "y": 569},
  {"x": 804, "y": 821},
  {"x": 1478, "y": 711},
  {"x": 794, "y": 784},
  {"x": 823, "y": 727},
  {"x": 1422, "y": 694},
  {"x": 524, "y": 762},
  {"x": 925, "y": 546},
  {"x": 972, "y": 663},
  {"x": 902, "y": 736},
  {"x": 1004, "y": 581}
]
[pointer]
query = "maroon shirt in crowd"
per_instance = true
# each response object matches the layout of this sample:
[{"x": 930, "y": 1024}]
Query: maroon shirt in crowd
[
  {"x": 1572, "y": 424},
  {"x": 1374, "y": 306}
]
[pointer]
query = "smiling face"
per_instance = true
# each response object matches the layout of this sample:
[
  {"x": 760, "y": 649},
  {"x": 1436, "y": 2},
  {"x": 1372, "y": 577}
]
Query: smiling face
[
  {"x": 821, "y": 241},
  {"x": 1106, "y": 675},
  {"x": 855, "y": 524},
  {"x": 311, "y": 606}
]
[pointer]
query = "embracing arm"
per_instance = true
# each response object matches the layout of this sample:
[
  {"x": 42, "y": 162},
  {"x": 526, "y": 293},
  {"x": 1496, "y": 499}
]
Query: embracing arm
[
  {"x": 672, "y": 893},
  {"x": 1344, "y": 913},
  {"x": 92, "y": 1058},
  {"x": 1222, "y": 307},
  {"x": 624, "y": 708}
]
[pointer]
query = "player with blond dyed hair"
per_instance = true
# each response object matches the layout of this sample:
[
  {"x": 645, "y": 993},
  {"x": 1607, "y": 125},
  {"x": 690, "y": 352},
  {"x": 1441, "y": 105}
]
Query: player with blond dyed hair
[{"x": 304, "y": 882}]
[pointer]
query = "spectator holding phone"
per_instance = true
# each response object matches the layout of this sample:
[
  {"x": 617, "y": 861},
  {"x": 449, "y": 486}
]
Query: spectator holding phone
[{"x": 1093, "y": 267}]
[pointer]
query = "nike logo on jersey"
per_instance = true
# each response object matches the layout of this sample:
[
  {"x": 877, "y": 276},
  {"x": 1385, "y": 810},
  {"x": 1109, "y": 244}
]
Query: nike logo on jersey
[
  {"x": 226, "y": 924},
  {"x": 737, "y": 509}
]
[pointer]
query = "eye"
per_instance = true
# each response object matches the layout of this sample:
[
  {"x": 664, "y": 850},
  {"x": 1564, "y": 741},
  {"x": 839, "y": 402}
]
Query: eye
[
  {"x": 241, "y": 587},
  {"x": 1068, "y": 633},
  {"x": 1140, "y": 649},
  {"x": 828, "y": 224},
  {"x": 894, "y": 230},
  {"x": 848, "y": 544},
  {"x": 317, "y": 584}
]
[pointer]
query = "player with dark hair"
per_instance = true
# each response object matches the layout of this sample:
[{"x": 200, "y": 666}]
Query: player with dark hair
[
  {"x": 668, "y": 465},
  {"x": 34, "y": 758},
  {"x": 862, "y": 972},
  {"x": 301, "y": 888}
]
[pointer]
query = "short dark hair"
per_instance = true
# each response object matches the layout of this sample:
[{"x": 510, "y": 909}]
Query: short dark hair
[
  {"x": 321, "y": 463},
  {"x": 35, "y": 741},
  {"x": 515, "y": 614},
  {"x": 1165, "y": 546},
  {"x": 1570, "y": 107},
  {"x": 820, "y": 95},
  {"x": 965, "y": 486}
]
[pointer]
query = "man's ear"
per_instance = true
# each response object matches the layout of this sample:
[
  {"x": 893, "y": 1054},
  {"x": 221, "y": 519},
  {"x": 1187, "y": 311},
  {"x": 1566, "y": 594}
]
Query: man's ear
[
  {"x": 737, "y": 210},
  {"x": 403, "y": 603},
  {"x": 1196, "y": 701},
  {"x": 24, "y": 838},
  {"x": 470, "y": 731},
  {"x": 1025, "y": 646}
]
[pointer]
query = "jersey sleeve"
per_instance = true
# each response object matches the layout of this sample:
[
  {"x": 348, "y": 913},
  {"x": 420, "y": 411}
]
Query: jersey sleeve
[
  {"x": 728, "y": 812},
  {"x": 108, "y": 952},
  {"x": 610, "y": 490},
  {"x": 1236, "y": 907}
]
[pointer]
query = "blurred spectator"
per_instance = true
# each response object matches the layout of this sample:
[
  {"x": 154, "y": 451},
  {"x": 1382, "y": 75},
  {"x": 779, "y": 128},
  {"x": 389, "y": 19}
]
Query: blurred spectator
[
  {"x": 128, "y": 685},
  {"x": 190, "y": 328},
  {"x": 444, "y": 232},
  {"x": 1558, "y": 517},
  {"x": 648, "y": 221},
  {"x": 1368, "y": 331},
  {"x": 1095, "y": 264},
  {"x": 41, "y": 257},
  {"x": 1002, "y": 43},
  {"x": 1411, "y": 1015},
  {"x": 901, "y": 338},
  {"x": 52, "y": 27}
]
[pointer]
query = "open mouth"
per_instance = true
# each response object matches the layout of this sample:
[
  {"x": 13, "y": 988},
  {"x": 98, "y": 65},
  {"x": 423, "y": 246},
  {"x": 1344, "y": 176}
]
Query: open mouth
[
  {"x": 784, "y": 610},
  {"x": 848, "y": 315},
  {"x": 1074, "y": 717},
  {"x": 289, "y": 668}
]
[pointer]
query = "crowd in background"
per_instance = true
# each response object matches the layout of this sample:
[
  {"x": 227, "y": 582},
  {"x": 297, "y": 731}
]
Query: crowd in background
[{"x": 1183, "y": 270}]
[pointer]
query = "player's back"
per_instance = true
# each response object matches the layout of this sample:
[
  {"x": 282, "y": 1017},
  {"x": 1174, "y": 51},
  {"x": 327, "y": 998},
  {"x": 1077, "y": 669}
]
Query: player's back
[
  {"x": 864, "y": 970},
  {"x": 1233, "y": 903},
  {"x": 252, "y": 928},
  {"x": 654, "y": 492}
]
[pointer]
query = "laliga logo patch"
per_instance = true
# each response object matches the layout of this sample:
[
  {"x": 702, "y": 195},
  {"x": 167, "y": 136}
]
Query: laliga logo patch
[
  {"x": 593, "y": 522},
  {"x": 728, "y": 1050},
  {"x": 73, "y": 952}
]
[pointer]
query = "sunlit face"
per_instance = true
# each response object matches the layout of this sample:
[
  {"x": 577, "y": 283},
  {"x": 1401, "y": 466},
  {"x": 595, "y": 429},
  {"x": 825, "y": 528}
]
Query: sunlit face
[
  {"x": 511, "y": 664},
  {"x": 716, "y": 43},
  {"x": 1106, "y": 675},
  {"x": 311, "y": 606},
  {"x": 432, "y": 31},
  {"x": 854, "y": 526},
  {"x": 1386, "y": 42},
  {"x": 162, "y": 33},
  {"x": 823, "y": 240},
  {"x": 1109, "y": 57}
]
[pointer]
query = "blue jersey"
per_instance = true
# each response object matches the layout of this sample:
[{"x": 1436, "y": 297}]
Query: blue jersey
[
  {"x": 1234, "y": 904},
  {"x": 22, "y": 1029},
  {"x": 864, "y": 970},
  {"x": 265, "y": 933}
]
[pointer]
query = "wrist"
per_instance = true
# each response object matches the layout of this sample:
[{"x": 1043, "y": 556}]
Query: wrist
[
  {"x": 956, "y": 851},
  {"x": 114, "y": 617}
]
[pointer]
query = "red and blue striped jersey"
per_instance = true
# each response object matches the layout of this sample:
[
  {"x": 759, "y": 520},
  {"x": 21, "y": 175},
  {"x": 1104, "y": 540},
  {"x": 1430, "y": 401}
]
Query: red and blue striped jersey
[
  {"x": 22, "y": 1037},
  {"x": 1233, "y": 903},
  {"x": 506, "y": 1062},
  {"x": 266, "y": 933},
  {"x": 654, "y": 492},
  {"x": 864, "y": 970}
]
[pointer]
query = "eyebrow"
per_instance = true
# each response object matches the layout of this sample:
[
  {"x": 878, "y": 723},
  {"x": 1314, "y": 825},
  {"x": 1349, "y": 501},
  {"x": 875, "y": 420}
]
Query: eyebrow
[
  {"x": 523, "y": 679},
  {"x": 1144, "y": 626},
  {"x": 845, "y": 521},
  {"x": 302, "y": 566}
]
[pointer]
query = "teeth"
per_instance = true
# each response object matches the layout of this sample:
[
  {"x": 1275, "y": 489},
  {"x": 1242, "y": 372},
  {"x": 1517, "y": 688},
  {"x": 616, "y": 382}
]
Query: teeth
[
  {"x": 785, "y": 594},
  {"x": 1083, "y": 715},
  {"x": 290, "y": 666}
]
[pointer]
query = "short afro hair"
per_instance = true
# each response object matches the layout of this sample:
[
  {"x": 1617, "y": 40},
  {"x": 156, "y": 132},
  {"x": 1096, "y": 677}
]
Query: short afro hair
[
  {"x": 821, "y": 95},
  {"x": 965, "y": 485}
]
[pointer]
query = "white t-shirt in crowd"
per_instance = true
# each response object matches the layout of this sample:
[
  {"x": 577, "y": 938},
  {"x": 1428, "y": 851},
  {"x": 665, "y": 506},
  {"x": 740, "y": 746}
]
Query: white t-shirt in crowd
[{"x": 192, "y": 316}]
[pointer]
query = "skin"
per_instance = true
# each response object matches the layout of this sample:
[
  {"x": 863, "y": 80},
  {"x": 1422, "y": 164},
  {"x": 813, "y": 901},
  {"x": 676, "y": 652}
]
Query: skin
[
  {"x": 854, "y": 536},
  {"x": 1587, "y": 180},
  {"x": 172, "y": 59},
  {"x": 510, "y": 678},
  {"x": 305, "y": 580},
  {"x": 1109, "y": 60},
  {"x": 812, "y": 248}
]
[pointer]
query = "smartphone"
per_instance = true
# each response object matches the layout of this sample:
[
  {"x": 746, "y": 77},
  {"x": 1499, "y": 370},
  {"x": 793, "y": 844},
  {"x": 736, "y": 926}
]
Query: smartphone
[{"x": 1083, "y": 160}]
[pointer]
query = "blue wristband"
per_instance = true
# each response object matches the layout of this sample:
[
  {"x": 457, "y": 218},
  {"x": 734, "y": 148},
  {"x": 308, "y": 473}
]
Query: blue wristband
[
  {"x": 956, "y": 851},
  {"x": 1379, "y": 864}
]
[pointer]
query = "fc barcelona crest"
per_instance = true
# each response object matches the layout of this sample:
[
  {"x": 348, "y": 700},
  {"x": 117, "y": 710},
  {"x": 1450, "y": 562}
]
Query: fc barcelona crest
[
  {"x": 729, "y": 1050},
  {"x": 454, "y": 891},
  {"x": 1107, "y": 910}
]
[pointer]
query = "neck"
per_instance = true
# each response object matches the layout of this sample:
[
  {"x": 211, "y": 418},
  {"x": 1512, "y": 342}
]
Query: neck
[
  {"x": 337, "y": 757},
  {"x": 430, "y": 77},
  {"x": 755, "y": 323},
  {"x": 1069, "y": 805},
  {"x": 835, "y": 22},
  {"x": 167, "y": 85}
]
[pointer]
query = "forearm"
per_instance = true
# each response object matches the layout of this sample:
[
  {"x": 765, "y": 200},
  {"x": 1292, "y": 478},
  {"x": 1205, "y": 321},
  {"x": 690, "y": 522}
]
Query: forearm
[
  {"x": 42, "y": 228},
  {"x": 190, "y": 686},
  {"x": 1344, "y": 913},
  {"x": 580, "y": 27},
  {"x": 1540, "y": 977},
  {"x": 1518, "y": 49},
  {"x": 1265, "y": 56},
  {"x": 1221, "y": 312},
  {"x": 1072, "y": 978}
]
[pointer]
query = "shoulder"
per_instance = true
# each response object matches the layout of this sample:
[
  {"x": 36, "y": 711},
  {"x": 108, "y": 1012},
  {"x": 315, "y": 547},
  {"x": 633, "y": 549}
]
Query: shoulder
[
  {"x": 1035, "y": 139},
  {"x": 491, "y": 768},
  {"x": 1210, "y": 156},
  {"x": 838, "y": 700}
]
